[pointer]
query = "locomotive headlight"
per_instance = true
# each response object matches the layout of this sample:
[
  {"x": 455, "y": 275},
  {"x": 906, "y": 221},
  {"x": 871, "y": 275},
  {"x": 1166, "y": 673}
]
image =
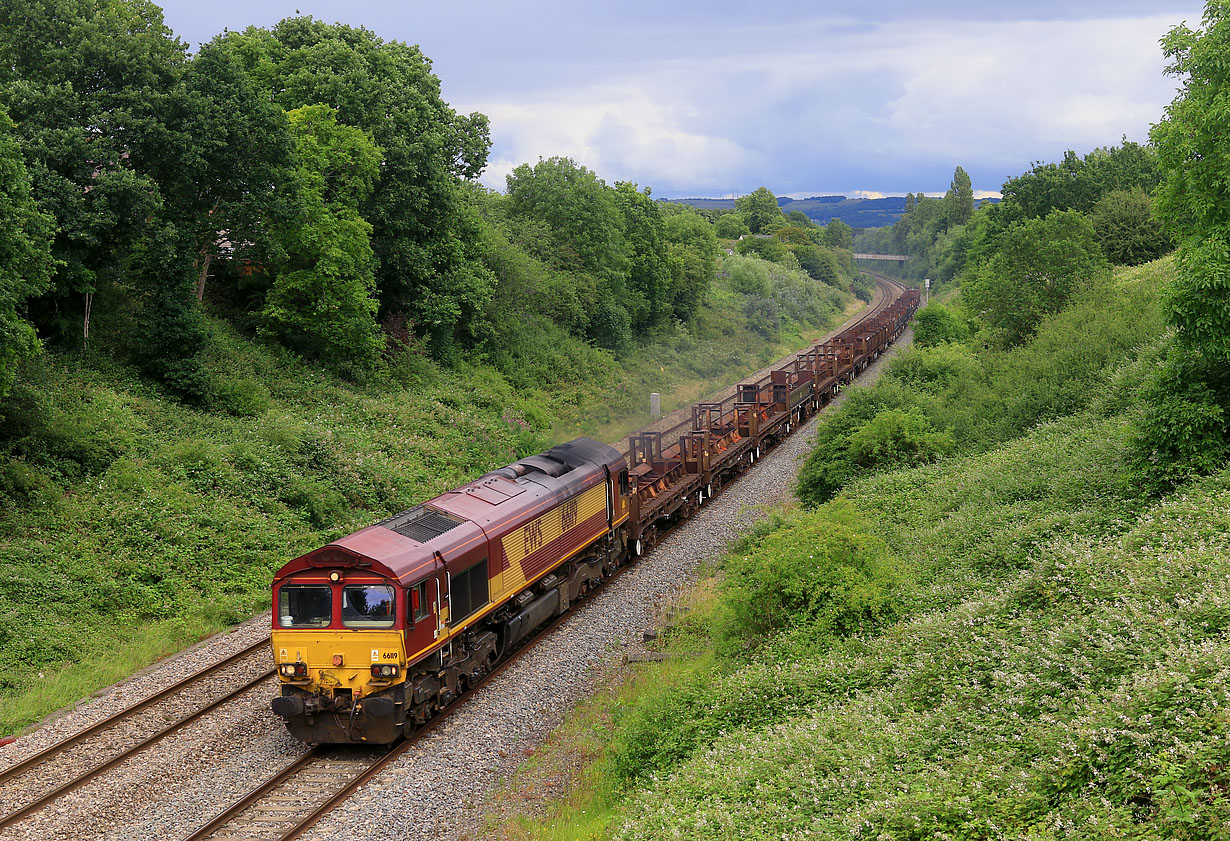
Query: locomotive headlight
[
  {"x": 293, "y": 670},
  {"x": 386, "y": 670}
]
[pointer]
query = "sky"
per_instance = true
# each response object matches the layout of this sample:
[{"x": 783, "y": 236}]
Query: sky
[{"x": 717, "y": 98}]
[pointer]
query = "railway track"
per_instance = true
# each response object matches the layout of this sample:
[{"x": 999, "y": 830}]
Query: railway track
[
  {"x": 890, "y": 289},
  {"x": 49, "y": 774},
  {"x": 296, "y": 798}
]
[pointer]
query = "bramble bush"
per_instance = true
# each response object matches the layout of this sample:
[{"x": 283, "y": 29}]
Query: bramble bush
[{"x": 890, "y": 438}]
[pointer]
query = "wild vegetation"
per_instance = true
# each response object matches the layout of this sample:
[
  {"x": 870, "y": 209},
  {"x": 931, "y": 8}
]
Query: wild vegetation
[{"x": 1002, "y": 610}]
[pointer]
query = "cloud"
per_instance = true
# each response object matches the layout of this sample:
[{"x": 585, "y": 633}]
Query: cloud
[
  {"x": 1011, "y": 86},
  {"x": 621, "y": 132},
  {"x": 871, "y": 108}
]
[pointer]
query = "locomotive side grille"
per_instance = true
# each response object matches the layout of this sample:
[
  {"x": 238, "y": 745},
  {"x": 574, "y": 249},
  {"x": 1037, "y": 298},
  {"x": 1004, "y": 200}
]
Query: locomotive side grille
[{"x": 420, "y": 524}]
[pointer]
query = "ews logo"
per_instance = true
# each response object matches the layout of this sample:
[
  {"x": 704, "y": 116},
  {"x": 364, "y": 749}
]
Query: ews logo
[
  {"x": 532, "y": 536},
  {"x": 568, "y": 514}
]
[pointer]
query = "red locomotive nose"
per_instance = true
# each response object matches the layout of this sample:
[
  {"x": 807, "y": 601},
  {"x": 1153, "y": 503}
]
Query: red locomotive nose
[{"x": 337, "y": 659}]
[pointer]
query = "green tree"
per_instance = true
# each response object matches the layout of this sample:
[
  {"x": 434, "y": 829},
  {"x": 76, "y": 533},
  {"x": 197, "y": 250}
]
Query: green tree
[
  {"x": 426, "y": 244},
  {"x": 936, "y": 324},
  {"x": 837, "y": 234},
  {"x": 1076, "y": 183},
  {"x": 322, "y": 301},
  {"x": 759, "y": 210},
  {"x": 109, "y": 130},
  {"x": 90, "y": 85},
  {"x": 1127, "y": 229},
  {"x": 959, "y": 201},
  {"x": 1038, "y": 265},
  {"x": 692, "y": 246},
  {"x": 820, "y": 264},
  {"x": 1184, "y": 430},
  {"x": 766, "y": 248},
  {"x": 649, "y": 277},
  {"x": 584, "y": 225},
  {"x": 1193, "y": 140},
  {"x": 233, "y": 178},
  {"x": 731, "y": 226},
  {"x": 25, "y": 257}
]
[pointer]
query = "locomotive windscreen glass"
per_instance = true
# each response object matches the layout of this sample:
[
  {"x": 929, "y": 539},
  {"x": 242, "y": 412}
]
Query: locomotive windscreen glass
[
  {"x": 367, "y": 606},
  {"x": 305, "y": 606}
]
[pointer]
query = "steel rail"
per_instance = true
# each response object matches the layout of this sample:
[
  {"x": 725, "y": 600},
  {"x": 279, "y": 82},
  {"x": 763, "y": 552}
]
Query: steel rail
[
  {"x": 82, "y": 779},
  {"x": 395, "y": 751},
  {"x": 45, "y": 754}
]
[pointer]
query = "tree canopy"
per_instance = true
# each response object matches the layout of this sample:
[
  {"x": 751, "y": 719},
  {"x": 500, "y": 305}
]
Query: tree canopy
[
  {"x": 959, "y": 201},
  {"x": 1039, "y": 263},
  {"x": 322, "y": 301},
  {"x": 1076, "y": 183},
  {"x": 759, "y": 210},
  {"x": 1193, "y": 141},
  {"x": 424, "y": 246},
  {"x": 25, "y": 256}
]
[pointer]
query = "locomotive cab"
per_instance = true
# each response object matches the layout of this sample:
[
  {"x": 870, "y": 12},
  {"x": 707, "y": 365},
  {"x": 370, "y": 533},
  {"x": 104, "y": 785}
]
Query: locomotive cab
[{"x": 339, "y": 643}]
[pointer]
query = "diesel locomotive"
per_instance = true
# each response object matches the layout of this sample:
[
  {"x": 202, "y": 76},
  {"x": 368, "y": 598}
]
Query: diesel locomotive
[{"x": 376, "y": 632}]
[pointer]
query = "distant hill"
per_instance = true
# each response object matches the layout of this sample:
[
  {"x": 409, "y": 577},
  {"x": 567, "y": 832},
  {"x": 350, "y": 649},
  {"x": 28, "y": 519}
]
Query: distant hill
[{"x": 857, "y": 213}]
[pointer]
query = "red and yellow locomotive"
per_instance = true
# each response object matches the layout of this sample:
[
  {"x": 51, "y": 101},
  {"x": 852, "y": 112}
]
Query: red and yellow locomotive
[{"x": 376, "y": 631}]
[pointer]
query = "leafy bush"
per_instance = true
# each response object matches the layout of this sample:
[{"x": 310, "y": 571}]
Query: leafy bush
[
  {"x": 750, "y": 277},
  {"x": 1183, "y": 429},
  {"x": 764, "y": 247},
  {"x": 826, "y": 571},
  {"x": 936, "y": 324},
  {"x": 932, "y": 369},
  {"x": 242, "y": 397},
  {"x": 1127, "y": 229},
  {"x": 890, "y": 438}
]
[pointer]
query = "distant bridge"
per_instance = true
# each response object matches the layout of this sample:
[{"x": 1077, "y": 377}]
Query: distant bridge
[{"x": 900, "y": 258}]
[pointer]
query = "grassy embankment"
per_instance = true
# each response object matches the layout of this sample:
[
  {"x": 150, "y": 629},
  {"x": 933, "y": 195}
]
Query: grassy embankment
[
  {"x": 132, "y": 525},
  {"x": 1012, "y": 642}
]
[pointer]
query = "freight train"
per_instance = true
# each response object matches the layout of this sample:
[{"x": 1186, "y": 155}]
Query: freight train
[{"x": 376, "y": 632}]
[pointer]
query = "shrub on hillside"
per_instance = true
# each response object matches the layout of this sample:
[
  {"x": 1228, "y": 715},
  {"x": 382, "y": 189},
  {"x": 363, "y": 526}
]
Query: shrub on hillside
[
  {"x": 1183, "y": 430},
  {"x": 936, "y": 324},
  {"x": 1127, "y": 229},
  {"x": 892, "y": 438},
  {"x": 830, "y": 573},
  {"x": 933, "y": 369}
]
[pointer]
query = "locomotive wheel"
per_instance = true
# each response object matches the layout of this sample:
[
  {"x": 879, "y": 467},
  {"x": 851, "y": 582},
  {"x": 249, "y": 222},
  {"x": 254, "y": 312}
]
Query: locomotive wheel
[{"x": 638, "y": 547}]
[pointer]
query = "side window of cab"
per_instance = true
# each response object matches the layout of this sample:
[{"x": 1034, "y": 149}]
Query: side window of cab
[{"x": 419, "y": 607}]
